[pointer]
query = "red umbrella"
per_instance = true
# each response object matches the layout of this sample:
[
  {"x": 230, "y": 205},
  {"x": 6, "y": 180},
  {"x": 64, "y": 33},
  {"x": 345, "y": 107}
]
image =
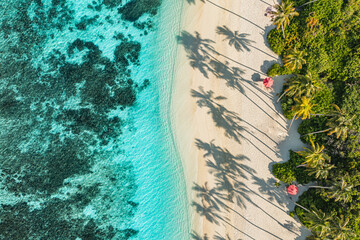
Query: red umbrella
[
  {"x": 268, "y": 82},
  {"x": 292, "y": 190}
]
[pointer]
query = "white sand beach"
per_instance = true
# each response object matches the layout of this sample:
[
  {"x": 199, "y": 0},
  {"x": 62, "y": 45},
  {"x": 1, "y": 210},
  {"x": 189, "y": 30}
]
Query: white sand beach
[{"x": 229, "y": 129}]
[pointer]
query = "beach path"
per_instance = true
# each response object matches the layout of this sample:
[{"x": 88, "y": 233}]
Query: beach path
[{"x": 229, "y": 129}]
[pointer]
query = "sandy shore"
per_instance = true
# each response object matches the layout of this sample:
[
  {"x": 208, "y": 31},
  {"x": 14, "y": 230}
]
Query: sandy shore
[{"x": 229, "y": 129}]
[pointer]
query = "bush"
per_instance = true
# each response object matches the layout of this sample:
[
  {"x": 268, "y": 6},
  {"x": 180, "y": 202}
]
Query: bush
[
  {"x": 284, "y": 172},
  {"x": 323, "y": 99},
  {"x": 314, "y": 124},
  {"x": 289, "y": 171},
  {"x": 276, "y": 70},
  {"x": 301, "y": 175},
  {"x": 351, "y": 104},
  {"x": 328, "y": 32},
  {"x": 276, "y": 41},
  {"x": 286, "y": 106}
]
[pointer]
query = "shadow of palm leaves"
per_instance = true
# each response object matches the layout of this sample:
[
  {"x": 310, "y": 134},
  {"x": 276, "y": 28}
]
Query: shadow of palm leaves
[
  {"x": 209, "y": 212},
  {"x": 194, "y": 43},
  {"x": 199, "y": 62},
  {"x": 224, "y": 157},
  {"x": 212, "y": 196},
  {"x": 236, "y": 39},
  {"x": 221, "y": 116},
  {"x": 231, "y": 75},
  {"x": 197, "y": 49},
  {"x": 269, "y": 189},
  {"x": 226, "y": 168},
  {"x": 194, "y": 235},
  {"x": 225, "y": 119},
  {"x": 219, "y": 237}
]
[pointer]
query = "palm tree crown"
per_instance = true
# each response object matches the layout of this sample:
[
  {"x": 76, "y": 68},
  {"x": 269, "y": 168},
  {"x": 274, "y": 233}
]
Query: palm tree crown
[
  {"x": 341, "y": 190},
  {"x": 319, "y": 222},
  {"x": 321, "y": 171},
  {"x": 339, "y": 231},
  {"x": 314, "y": 156},
  {"x": 283, "y": 14},
  {"x": 340, "y": 124},
  {"x": 303, "y": 108},
  {"x": 300, "y": 85},
  {"x": 295, "y": 59}
]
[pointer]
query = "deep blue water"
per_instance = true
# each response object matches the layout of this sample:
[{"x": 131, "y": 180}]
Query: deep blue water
[{"x": 86, "y": 149}]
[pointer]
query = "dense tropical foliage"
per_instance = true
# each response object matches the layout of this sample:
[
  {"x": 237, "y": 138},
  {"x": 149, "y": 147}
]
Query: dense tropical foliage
[{"x": 321, "y": 54}]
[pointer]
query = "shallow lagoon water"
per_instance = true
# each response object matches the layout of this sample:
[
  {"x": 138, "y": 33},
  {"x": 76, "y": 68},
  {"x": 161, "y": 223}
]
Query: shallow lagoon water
[{"x": 81, "y": 158}]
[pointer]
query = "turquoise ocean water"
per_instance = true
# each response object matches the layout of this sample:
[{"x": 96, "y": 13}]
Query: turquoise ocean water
[{"x": 86, "y": 146}]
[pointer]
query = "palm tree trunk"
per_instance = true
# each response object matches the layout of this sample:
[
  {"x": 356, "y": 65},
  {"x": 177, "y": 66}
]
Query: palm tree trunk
[
  {"x": 281, "y": 96},
  {"x": 320, "y": 187},
  {"x": 292, "y": 122},
  {"x": 322, "y": 114},
  {"x": 302, "y": 165},
  {"x": 299, "y": 205},
  {"x": 307, "y": 3},
  {"x": 317, "y": 132},
  {"x": 282, "y": 28}
]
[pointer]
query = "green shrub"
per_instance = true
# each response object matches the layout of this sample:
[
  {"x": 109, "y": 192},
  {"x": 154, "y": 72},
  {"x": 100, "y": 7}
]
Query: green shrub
[
  {"x": 288, "y": 172},
  {"x": 332, "y": 45},
  {"x": 276, "y": 41},
  {"x": 284, "y": 172},
  {"x": 351, "y": 104},
  {"x": 311, "y": 125},
  {"x": 276, "y": 70},
  {"x": 323, "y": 99},
  {"x": 301, "y": 175},
  {"x": 286, "y": 106}
]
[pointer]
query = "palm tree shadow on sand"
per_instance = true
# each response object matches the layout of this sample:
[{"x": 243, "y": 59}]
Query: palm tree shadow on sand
[
  {"x": 213, "y": 202},
  {"x": 221, "y": 116},
  {"x": 228, "y": 189},
  {"x": 201, "y": 54},
  {"x": 236, "y": 39},
  {"x": 239, "y": 40},
  {"x": 217, "y": 236},
  {"x": 229, "y": 121},
  {"x": 200, "y": 50}
]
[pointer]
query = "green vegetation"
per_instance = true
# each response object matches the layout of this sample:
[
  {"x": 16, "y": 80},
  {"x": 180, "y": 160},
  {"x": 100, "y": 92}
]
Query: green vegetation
[{"x": 320, "y": 48}]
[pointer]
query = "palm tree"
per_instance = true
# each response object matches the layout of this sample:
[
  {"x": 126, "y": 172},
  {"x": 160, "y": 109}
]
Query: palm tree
[
  {"x": 339, "y": 123},
  {"x": 339, "y": 231},
  {"x": 299, "y": 85},
  {"x": 341, "y": 190},
  {"x": 319, "y": 222},
  {"x": 283, "y": 14},
  {"x": 321, "y": 171},
  {"x": 328, "y": 227},
  {"x": 315, "y": 156},
  {"x": 236, "y": 39},
  {"x": 294, "y": 59},
  {"x": 302, "y": 109}
]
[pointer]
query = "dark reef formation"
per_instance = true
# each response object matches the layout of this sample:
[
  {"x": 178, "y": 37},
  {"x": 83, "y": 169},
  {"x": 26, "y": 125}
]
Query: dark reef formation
[{"x": 55, "y": 122}]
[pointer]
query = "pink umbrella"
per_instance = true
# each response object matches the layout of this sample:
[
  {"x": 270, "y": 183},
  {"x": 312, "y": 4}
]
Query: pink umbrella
[
  {"x": 268, "y": 82},
  {"x": 292, "y": 190}
]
